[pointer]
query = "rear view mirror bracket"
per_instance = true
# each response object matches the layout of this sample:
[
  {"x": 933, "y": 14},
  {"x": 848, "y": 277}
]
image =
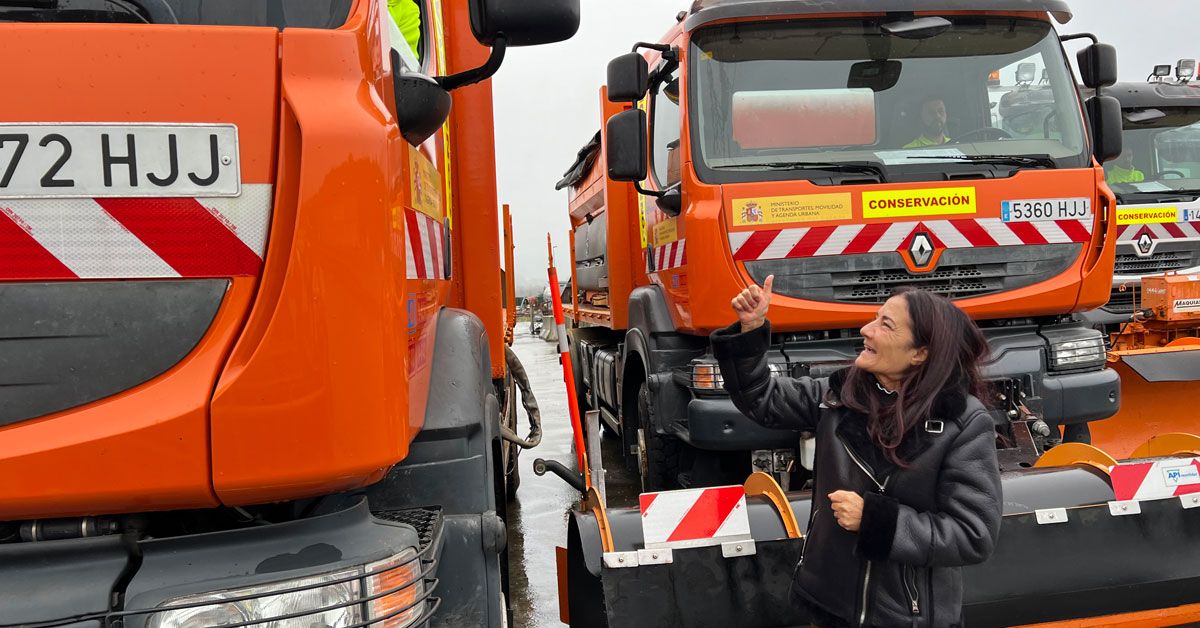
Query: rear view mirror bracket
[{"x": 482, "y": 73}]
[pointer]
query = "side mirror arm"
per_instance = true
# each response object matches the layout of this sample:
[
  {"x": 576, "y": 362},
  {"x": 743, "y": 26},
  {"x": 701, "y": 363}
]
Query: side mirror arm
[
  {"x": 637, "y": 185},
  {"x": 480, "y": 74}
]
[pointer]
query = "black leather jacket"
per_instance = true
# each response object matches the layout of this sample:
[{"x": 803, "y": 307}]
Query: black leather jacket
[{"x": 920, "y": 524}]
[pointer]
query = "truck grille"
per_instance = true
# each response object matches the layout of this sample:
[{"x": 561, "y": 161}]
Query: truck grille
[
  {"x": 872, "y": 278},
  {"x": 1160, "y": 262}
]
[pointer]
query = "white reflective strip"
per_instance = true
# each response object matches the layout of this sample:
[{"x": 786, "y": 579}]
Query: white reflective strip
[
  {"x": 88, "y": 240},
  {"x": 678, "y": 261},
  {"x": 1052, "y": 232},
  {"x": 426, "y": 249},
  {"x": 737, "y": 523},
  {"x": 1130, "y": 234},
  {"x": 248, "y": 215},
  {"x": 738, "y": 239},
  {"x": 409, "y": 258},
  {"x": 563, "y": 347},
  {"x": 783, "y": 243},
  {"x": 999, "y": 231},
  {"x": 1160, "y": 232},
  {"x": 893, "y": 237},
  {"x": 435, "y": 247},
  {"x": 948, "y": 234},
  {"x": 839, "y": 240},
  {"x": 665, "y": 514},
  {"x": 1189, "y": 229}
]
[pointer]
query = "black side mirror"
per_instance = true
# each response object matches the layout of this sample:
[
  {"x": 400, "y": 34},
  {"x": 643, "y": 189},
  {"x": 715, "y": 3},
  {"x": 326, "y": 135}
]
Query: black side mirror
[
  {"x": 626, "y": 154},
  {"x": 422, "y": 106},
  {"x": 524, "y": 22},
  {"x": 1098, "y": 65},
  {"x": 628, "y": 78},
  {"x": 671, "y": 200},
  {"x": 1105, "y": 115}
]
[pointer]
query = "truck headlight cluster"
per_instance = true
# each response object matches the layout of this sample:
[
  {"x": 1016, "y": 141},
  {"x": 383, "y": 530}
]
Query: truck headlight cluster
[
  {"x": 1076, "y": 349},
  {"x": 706, "y": 375},
  {"x": 391, "y": 592}
]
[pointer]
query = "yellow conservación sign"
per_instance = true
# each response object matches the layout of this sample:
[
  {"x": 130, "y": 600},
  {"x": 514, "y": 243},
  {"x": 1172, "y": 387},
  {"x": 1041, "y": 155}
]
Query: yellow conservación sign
[
  {"x": 1147, "y": 215},
  {"x": 776, "y": 210},
  {"x": 902, "y": 203}
]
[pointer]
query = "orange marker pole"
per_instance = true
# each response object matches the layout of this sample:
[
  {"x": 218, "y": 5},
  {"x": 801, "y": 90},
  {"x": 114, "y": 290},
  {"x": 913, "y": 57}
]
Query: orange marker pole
[{"x": 564, "y": 351}]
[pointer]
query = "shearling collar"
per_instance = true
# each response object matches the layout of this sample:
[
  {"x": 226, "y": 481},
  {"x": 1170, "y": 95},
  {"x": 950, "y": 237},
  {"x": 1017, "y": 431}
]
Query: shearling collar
[{"x": 950, "y": 405}]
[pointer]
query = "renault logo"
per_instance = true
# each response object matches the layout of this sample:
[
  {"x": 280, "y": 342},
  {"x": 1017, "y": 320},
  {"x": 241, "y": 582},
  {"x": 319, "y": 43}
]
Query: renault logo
[
  {"x": 921, "y": 250},
  {"x": 1145, "y": 243}
]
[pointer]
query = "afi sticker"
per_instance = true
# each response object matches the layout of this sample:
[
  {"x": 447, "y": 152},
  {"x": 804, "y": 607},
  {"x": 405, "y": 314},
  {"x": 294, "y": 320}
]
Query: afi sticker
[{"x": 1181, "y": 476}]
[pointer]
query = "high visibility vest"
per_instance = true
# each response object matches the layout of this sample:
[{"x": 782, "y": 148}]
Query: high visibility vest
[
  {"x": 407, "y": 15},
  {"x": 1125, "y": 175}
]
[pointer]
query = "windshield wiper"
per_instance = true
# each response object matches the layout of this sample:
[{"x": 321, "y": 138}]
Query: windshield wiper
[
  {"x": 859, "y": 167},
  {"x": 995, "y": 160}
]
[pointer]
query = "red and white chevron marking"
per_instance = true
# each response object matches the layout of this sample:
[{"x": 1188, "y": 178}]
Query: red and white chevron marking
[
  {"x": 667, "y": 256},
  {"x": 1159, "y": 231},
  {"x": 887, "y": 237},
  {"x": 694, "y": 516},
  {"x": 134, "y": 238},
  {"x": 1156, "y": 480},
  {"x": 425, "y": 247}
]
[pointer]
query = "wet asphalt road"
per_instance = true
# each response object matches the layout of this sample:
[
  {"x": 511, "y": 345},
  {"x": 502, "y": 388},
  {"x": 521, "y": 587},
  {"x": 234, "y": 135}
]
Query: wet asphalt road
[{"x": 538, "y": 518}]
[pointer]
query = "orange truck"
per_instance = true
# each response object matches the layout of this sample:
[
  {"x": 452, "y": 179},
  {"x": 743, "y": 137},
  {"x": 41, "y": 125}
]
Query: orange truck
[
  {"x": 848, "y": 147},
  {"x": 747, "y": 144},
  {"x": 250, "y": 313}
]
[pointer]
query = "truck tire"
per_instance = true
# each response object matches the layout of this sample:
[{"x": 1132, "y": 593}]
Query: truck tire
[{"x": 659, "y": 455}]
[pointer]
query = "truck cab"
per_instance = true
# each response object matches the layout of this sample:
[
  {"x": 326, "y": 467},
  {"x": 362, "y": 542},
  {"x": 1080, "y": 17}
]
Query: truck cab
[
  {"x": 1157, "y": 183},
  {"x": 847, "y": 149}
]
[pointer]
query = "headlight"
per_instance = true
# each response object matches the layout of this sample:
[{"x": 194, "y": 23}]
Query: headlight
[
  {"x": 1076, "y": 349},
  {"x": 707, "y": 375},
  {"x": 261, "y": 603}
]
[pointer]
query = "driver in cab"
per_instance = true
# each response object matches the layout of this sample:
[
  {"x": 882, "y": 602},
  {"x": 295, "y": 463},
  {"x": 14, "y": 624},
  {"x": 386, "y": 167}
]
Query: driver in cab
[{"x": 933, "y": 125}]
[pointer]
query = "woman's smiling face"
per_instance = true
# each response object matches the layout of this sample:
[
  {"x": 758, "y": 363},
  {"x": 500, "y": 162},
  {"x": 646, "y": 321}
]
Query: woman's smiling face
[{"x": 888, "y": 350}]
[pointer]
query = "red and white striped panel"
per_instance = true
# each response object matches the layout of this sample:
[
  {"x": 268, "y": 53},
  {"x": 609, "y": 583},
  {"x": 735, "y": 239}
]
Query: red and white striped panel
[
  {"x": 134, "y": 238},
  {"x": 1156, "y": 480},
  {"x": 694, "y": 516},
  {"x": 667, "y": 256},
  {"x": 1160, "y": 231},
  {"x": 887, "y": 237},
  {"x": 425, "y": 247}
]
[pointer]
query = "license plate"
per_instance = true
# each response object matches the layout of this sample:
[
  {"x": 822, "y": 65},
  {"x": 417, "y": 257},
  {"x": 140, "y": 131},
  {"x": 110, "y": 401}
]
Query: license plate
[
  {"x": 118, "y": 160},
  {"x": 1046, "y": 209}
]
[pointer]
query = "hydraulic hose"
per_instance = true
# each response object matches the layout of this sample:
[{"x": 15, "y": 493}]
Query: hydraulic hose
[{"x": 517, "y": 371}]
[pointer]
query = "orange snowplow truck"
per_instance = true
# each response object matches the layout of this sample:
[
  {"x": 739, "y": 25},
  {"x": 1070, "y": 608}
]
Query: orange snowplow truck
[
  {"x": 250, "y": 315},
  {"x": 847, "y": 148}
]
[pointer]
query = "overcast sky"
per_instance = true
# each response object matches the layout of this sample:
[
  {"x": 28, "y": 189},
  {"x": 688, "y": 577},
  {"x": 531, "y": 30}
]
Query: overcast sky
[{"x": 547, "y": 97}]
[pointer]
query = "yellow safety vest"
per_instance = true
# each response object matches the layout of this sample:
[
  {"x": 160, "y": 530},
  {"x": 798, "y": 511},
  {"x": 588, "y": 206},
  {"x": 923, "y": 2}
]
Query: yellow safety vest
[
  {"x": 922, "y": 142},
  {"x": 407, "y": 15},
  {"x": 1125, "y": 175}
]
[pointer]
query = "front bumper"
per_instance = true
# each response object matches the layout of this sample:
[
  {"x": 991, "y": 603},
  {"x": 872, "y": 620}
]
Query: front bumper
[{"x": 43, "y": 582}]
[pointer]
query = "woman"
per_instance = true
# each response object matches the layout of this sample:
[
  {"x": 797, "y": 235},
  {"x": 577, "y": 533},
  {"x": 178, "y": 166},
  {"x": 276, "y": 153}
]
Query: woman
[{"x": 907, "y": 486}]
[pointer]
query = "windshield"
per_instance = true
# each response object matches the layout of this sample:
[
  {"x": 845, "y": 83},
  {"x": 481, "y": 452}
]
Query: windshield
[
  {"x": 1162, "y": 154},
  {"x": 986, "y": 94},
  {"x": 275, "y": 13}
]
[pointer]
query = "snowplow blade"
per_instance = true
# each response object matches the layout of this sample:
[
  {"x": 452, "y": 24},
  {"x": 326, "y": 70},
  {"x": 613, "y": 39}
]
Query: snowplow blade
[
  {"x": 1063, "y": 555},
  {"x": 1158, "y": 392}
]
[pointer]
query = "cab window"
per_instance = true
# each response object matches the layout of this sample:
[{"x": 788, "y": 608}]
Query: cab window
[{"x": 665, "y": 132}]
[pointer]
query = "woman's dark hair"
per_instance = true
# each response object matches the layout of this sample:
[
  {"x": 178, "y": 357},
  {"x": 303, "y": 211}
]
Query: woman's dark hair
[{"x": 956, "y": 348}]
